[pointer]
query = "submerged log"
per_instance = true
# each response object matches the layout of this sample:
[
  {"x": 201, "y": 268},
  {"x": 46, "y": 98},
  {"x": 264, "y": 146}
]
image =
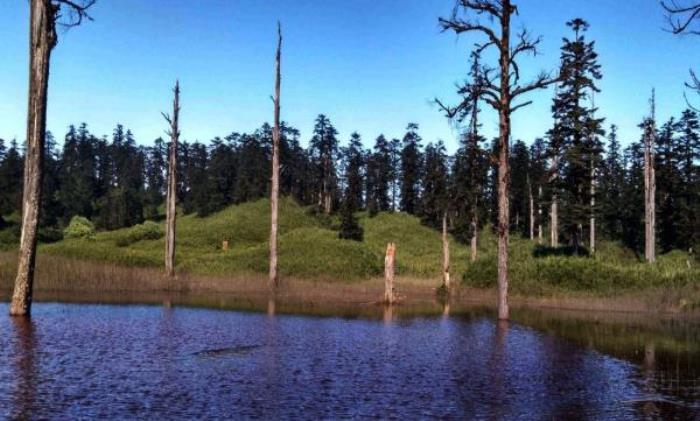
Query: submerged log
[{"x": 389, "y": 264}]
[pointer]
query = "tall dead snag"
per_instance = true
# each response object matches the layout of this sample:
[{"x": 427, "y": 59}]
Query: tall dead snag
[
  {"x": 498, "y": 90},
  {"x": 389, "y": 268},
  {"x": 591, "y": 223},
  {"x": 171, "y": 193},
  {"x": 275, "y": 187},
  {"x": 445, "y": 254},
  {"x": 539, "y": 214},
  {"x": 44, "y": 15},
  {"x": 650, "y": 185},
  {"x": 532, "y": 209}
]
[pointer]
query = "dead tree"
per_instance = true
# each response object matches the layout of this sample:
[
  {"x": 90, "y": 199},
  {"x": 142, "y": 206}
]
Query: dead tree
[
  {"x": 532, "y": 208},
  {"x": 499, "y": 88},
  {"x": 445, "y": 254},
  {"x": 275, "y": 182},
  {"x": 389, "y": 269},
  {"x": 539, "y": 214},
  {"x": 650, "y": 185},
  {"x": 44, "y": 15},
  {"x": 682, "y": 18},
  {"x": 592, "y": 190},
  {"x": 171, "y": 193}
]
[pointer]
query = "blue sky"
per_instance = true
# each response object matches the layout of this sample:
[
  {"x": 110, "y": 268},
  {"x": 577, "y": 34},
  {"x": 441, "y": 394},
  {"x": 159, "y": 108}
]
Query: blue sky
[{"x": 370, "y": 65}]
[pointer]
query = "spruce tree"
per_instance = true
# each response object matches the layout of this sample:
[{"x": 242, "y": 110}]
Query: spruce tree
[
  {"x": 577, "y": 127},
  {"x": 411, "y": 168},
  {"x": 353, "y": 195},
  {"x": 435, "y": 181}
]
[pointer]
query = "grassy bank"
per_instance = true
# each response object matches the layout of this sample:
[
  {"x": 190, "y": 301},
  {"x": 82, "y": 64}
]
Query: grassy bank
[{"x": 310, "y": 250}]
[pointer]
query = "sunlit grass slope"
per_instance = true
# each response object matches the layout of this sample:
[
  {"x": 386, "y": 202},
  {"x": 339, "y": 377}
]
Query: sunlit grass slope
[{"x": 309, "y": 248}]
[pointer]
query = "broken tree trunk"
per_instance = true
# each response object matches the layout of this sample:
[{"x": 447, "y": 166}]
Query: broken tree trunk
[
  {"x": 43, "y": 38},
  {"x": 532, "y": 210},
  {"x": 389, "y": 263},
  {"x": 274, "y": 190},
  {"x": 539, "y": 214},
  {"x": 445, "y": 254},
  {"x": 650, "y": 186},
  {"x": 475, "y": 233},
  {"x": 171, "y": 193}
]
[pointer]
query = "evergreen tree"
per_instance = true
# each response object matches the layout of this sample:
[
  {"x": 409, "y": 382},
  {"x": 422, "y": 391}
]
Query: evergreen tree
[
  {"x": 435, "y": 182},
  {"x": 352, "y": 200},
  {"x": 519, "y": 187},
  {"x": 11, "y": 173},
  {"x": 156, "y": 170},
  {"x": 611, "y": 186},
  {"x": 411, "y": 168},
  {"x": 324, "y": 153},
  {"x": 577, "y": 127}
]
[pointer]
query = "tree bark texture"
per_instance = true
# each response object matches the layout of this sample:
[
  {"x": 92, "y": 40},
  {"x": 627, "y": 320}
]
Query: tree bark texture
[
  {"x": 171, "y": 193},
  {"x": 42, "y": 39},
  {"x": 274, "y": 189},
  {"x": 389, "y": 268}
]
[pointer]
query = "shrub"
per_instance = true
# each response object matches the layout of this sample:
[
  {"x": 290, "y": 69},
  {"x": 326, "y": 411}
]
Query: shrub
[
  {"x": 149, "y": 230},
  {"x": 79, "y": 227}
]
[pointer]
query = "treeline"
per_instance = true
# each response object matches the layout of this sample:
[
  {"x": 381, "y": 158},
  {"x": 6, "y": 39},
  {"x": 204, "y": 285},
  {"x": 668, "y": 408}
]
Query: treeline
[{"x": 117, "y": 182}]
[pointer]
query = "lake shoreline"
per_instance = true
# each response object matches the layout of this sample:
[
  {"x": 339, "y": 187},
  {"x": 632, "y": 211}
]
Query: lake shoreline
[{"x": 60, "y": 279}]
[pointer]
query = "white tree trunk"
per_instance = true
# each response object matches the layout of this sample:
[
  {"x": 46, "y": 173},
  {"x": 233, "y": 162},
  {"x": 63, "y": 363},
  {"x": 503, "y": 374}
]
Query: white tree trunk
[{"x": 445, "y": 254}]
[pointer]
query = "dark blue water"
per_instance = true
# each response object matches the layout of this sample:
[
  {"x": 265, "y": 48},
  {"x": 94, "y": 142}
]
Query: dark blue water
[{"x": 146, "y": 362}]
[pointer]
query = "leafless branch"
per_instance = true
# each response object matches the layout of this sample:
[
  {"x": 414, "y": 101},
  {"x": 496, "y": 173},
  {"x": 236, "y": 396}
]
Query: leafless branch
[
  {"x": 681, "y": 16},
  {"x": 70, "y": 13}
]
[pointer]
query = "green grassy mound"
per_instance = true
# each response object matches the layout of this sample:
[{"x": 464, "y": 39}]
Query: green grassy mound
[{"x": 309, "y": 248}]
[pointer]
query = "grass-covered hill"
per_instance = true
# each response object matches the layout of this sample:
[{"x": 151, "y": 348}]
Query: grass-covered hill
[{"x": 309, "y": 248}]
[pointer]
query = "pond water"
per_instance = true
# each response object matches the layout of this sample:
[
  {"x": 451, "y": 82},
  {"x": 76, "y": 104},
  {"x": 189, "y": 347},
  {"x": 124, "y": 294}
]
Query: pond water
[{"x": 148, "y": 361}]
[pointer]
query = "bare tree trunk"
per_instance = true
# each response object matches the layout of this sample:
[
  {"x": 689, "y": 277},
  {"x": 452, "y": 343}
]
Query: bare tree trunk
[
  {"x": 171, "y": 194},
  {"x": 389, "y": 263},
  {"x": 475, "y": 233},
  {"x": 592, "y": 221},
  {"x": 539, "y": 214},
  {"x": 42, "y": 40},
  {"x": 274, "y": 190},
  {"x": 532, "y": 211},
  {"x": 554, "y": 212},
  {"x": 503, "y": 164},
  {"x": 650, "y": 187},
  {"x": 445, "y": 254}
]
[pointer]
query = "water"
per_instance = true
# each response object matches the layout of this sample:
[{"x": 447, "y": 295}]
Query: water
[{"x": 145, "y": 361}]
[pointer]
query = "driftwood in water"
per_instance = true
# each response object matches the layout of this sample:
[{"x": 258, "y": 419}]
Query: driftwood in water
[{"x": 389, "y": 269}]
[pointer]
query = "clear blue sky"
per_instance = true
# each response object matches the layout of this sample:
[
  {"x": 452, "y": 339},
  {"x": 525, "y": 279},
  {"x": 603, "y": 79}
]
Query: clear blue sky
[{"x": 370, "y": 65}]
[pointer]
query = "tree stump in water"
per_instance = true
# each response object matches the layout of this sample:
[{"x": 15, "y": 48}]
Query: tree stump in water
[{"x": 389, "y": 264}]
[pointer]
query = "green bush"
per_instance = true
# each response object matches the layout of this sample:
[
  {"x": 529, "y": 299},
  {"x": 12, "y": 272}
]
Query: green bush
[
  {"x": 149, "y": 230},
  {"x": 79, "y": 227}
]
